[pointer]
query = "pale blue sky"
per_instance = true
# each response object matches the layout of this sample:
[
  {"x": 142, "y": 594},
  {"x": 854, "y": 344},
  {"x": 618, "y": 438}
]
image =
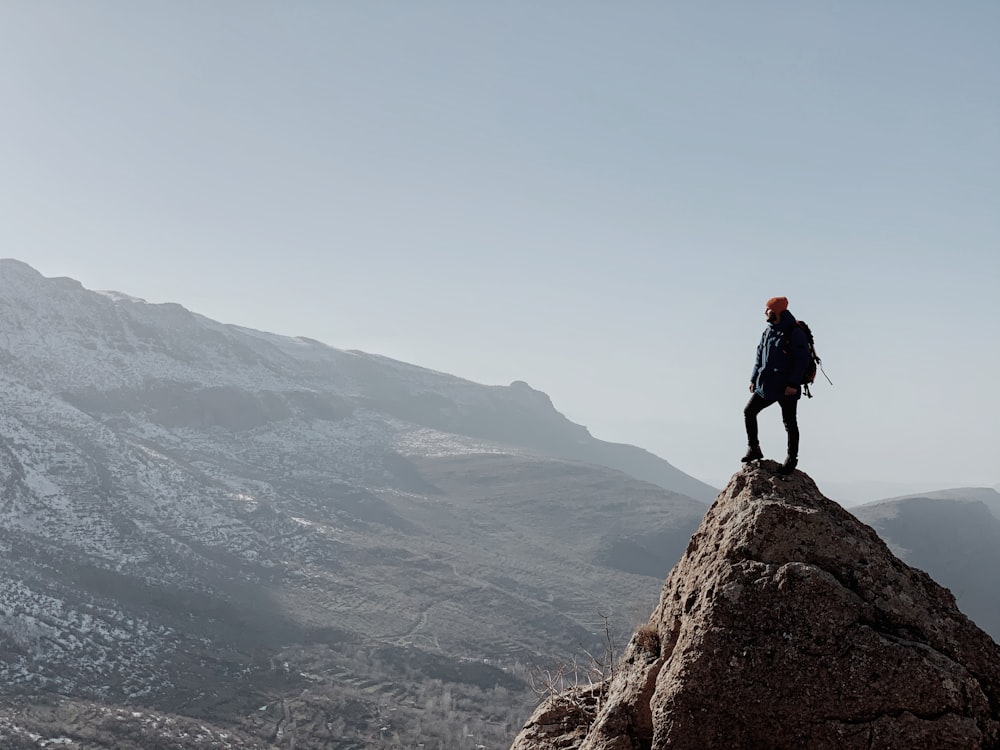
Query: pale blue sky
[{"x": 593, "y": 197}]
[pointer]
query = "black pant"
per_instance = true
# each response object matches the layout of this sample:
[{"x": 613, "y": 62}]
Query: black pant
[{"x": 756, "y": 404}]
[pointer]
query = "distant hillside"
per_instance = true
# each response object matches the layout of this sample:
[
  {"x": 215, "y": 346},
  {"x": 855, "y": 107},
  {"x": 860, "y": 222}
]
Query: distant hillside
[
  {"x": 986, "y": 495},
  {"x": 241, "y": 531},
  {"x": 122, "y": 351},
  {"x": 954, "y": 536}
]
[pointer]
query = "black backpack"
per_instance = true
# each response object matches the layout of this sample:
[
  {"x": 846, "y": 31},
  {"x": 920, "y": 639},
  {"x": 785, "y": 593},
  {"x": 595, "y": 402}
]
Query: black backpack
[{"x": 814, "y": 361}]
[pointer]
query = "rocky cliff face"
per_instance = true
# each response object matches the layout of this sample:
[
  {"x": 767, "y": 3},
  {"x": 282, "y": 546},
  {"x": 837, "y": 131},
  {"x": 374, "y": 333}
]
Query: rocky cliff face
[{"x": 788, "y": 624}]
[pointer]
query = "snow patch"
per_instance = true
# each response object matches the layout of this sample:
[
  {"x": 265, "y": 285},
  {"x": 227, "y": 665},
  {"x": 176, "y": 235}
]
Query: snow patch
[{"x": 430, "y": 443}]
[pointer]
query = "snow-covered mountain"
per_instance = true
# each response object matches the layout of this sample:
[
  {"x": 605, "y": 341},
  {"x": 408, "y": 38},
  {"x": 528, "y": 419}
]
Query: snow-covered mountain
[
  {"x": 274, "y": 536},
  {"x": 108, "y": 351}
]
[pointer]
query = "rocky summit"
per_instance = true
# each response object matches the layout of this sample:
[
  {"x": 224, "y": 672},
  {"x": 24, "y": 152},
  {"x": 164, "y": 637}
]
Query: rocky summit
[{"x": 788, "y": 623}]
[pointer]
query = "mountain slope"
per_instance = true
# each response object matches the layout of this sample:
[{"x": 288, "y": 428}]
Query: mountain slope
[
  {"x": 298, "y": 544},
  {"x": 121, "y": 351},
  {"x": 985, "y": 495},
  {"x": 955, "y": 537}
]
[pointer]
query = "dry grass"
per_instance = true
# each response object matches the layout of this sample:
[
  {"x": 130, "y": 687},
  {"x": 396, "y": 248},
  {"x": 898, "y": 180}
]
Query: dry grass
[{"x": 647, "y": 639}]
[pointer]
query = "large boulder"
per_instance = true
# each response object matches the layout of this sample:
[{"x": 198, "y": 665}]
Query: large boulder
[{"x": 788, "y": 623}]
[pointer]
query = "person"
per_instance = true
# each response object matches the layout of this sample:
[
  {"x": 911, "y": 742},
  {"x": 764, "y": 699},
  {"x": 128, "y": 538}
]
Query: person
[{"x": 778, "y": 371}]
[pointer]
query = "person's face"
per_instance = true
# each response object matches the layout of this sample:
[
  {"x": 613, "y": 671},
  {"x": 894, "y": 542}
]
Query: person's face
[{"x": 771, "y": 315}]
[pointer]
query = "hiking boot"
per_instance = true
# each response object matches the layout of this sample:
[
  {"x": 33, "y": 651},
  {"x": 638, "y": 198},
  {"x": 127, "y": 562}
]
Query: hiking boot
[
  {"x": 753, "y": 453},
  {"x": 789, "y": 466}
]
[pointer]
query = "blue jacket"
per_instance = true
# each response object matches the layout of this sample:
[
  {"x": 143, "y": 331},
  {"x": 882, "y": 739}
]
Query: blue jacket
[{"x": 782, "y": 359}]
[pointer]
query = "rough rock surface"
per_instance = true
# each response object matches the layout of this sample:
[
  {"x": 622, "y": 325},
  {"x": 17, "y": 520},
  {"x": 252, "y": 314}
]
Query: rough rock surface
[{"x": 788, "y": 623}]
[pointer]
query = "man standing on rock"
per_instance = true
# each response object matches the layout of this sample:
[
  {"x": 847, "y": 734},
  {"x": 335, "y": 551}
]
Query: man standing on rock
[{"x": 778, "y": 371}]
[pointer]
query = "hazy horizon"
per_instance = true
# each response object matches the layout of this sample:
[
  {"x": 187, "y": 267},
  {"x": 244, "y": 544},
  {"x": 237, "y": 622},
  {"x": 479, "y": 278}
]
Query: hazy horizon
[{"x": 594, "y": 200}]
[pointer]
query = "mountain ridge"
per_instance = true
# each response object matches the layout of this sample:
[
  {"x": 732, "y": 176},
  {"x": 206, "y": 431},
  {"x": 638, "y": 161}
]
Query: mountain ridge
[
  {"x": 952, "y": 534},
  {"x": 988, "y": 496},
  {"x": 266, "y": 361},
  {"x": 199, "y": 521}
]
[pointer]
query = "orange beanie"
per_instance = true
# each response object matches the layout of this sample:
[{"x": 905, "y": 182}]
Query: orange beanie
[{"x": 778, "y": 304}]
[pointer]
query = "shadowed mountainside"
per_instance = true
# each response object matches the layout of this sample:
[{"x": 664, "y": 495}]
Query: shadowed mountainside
[{"x": 954, "y": 535}]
